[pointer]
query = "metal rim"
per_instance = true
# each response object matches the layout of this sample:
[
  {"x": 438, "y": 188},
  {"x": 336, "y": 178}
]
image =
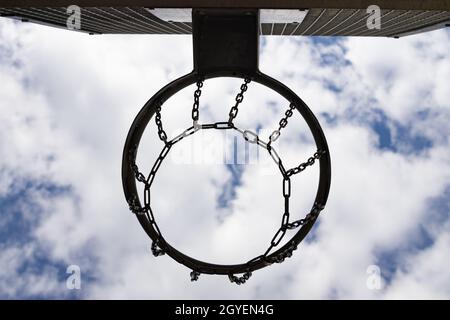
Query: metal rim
[{"x": 132, "y": 144}]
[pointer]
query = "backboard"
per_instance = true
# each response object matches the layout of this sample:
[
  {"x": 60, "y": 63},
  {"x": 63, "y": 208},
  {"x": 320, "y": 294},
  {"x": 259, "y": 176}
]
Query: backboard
[{"x": 277, "y": 17}]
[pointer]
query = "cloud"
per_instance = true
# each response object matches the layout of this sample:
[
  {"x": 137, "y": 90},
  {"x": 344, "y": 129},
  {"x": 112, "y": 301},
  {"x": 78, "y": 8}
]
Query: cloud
[{"x": 67, "y": 101}]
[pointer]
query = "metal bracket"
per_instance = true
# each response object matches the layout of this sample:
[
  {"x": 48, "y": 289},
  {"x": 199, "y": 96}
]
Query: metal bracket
[{"x": 225, "y": 42}]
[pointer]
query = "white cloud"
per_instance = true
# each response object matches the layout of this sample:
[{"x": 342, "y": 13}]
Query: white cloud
[
  {"x": 14, "y": 283},
  {"x": 65, "y": 110},
  {"x": 384, "y": 64},
  {"x": 423, "y": 276}
]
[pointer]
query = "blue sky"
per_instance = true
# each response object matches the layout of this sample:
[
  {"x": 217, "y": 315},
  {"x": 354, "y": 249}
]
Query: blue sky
[{"x": 67, "y": 101}]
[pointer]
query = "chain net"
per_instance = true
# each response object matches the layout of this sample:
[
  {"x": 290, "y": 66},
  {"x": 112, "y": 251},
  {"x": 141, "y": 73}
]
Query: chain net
[{"x": 250, "y": 137}]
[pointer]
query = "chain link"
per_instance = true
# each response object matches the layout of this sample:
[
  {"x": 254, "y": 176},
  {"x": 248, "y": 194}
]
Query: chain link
[
  {"x": 194, "y": 275},
  {"x": 282, "y": 124},
  {"x": 195, "y": 107},
  {"x": 185, "y": 134},
  {"x": 156, "y": 250},
  {"x": 250, "y": 136},
  {"x": 158, "y": 162},
  {"x": 137, "y": 174},
  {"x": 301, "y": 167},
  {"x": 135, "y": 207},
  {"x": 240, "y": 280},
  {"x": 161, "y": 133},
  {"x": 315, "y": 211},
  {"x": 283, "y": 255},
  {"x": 133, "y": 202},
  {"x": 239, "y": 98}
]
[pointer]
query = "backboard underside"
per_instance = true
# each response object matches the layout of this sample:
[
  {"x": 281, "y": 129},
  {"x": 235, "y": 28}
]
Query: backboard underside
[{"x": 309, "y": 18}]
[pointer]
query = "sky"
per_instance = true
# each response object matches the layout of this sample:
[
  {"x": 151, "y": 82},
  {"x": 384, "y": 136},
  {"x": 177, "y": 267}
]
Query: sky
[{"x": 67, "y": 101}]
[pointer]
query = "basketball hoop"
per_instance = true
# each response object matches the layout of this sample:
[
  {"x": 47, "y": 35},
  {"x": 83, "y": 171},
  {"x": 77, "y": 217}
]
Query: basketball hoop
[{"x": 131, "y": 174}]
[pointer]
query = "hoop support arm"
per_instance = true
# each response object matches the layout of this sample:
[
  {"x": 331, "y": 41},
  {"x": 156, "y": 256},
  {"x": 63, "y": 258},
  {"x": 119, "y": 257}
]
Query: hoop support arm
[{"x": 226, "y": 40}]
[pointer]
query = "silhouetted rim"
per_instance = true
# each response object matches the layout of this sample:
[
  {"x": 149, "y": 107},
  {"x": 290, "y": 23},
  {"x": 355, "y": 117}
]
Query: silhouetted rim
[{"x": 132, "y": 145}]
